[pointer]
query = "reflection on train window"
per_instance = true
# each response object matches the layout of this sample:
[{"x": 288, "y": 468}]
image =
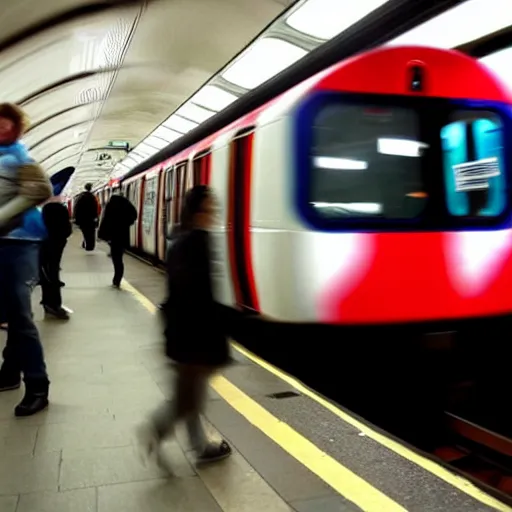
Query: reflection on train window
[
  {"x": 367, "y": 163},
  {"x": 473, "y": 162}
]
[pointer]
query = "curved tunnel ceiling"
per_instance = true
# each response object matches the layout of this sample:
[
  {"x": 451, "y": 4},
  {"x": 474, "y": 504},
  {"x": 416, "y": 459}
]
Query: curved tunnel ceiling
[
  {"x": 88, "y": 72},
  {"x": 93, "y": 71}
]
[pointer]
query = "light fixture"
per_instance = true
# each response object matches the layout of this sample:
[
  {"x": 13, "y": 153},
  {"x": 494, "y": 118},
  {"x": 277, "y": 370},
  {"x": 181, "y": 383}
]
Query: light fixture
[
  {"x": 324, "y": 19},
  {"x": 194, "y": 112},
  {"x": 341, "y": 164},
  {"x": 401, "y": 147},
  {"x": 369, "y": 208},
  {"x": 144, "y": 149},
  {"x": 467, "y": 22},
  {"x": 166, "y": 134},
  {"x": 264, "y": 59},
  {"x": 179, "y": 124},
  {"x": 499, "y": 62},
  {"x": 213, "y": 98},
  {"x": 155, "y": 142}
]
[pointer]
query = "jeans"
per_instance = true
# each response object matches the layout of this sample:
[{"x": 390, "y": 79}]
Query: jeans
[
  {"x": 117, "y": 252},
  {"x": 19, "y": 272},
  {"x": 190, "y": 389},
  {"x": 51, "y": 256}
]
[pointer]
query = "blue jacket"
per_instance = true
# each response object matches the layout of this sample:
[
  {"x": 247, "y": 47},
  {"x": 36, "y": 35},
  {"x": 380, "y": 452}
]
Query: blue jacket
[{"x": 32, "y": 228}]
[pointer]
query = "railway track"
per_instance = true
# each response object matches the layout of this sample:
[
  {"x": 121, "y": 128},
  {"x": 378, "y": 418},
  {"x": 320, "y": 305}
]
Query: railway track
[{"x": 481, "y": 453}]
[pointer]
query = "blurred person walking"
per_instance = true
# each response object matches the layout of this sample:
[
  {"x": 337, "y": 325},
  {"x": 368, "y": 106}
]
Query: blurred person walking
[
  {"x": 86, "y": 217},
  {"x": 23, "y": 185},
  {"x": 118, "y": 217},
  {"x": 195, "y": 334}
]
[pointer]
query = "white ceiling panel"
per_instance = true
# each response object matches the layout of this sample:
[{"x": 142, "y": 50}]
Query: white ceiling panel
[
  {"x": 76, "y": 117},
  {"x": 58, "y": 140},
  {"x": 324, "y": 19},
  {"x": 64, "y": 97},
  {"x": 69, "y": 151}
]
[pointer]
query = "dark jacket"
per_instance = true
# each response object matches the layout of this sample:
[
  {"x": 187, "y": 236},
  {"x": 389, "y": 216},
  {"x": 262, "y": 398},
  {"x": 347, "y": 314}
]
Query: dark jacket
[
  {"x": 118, "y": 216},
  {"x": 57, "y": 222},
  {"x": 195, "y": 324},
  {"x": 86, "y": 209}
]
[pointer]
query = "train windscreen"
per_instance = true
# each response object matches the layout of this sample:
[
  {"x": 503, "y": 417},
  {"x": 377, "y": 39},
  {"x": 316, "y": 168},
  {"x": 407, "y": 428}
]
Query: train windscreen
[{"x": 433, "y": 163}]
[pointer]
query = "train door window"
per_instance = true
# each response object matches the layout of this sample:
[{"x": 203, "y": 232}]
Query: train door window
[
  {"x": 180, "y": 181},
  {"x": 168, "y": 185},
  {"x": 201, "y": 166},
  {"x": 367, "y": 163},
  {"x": 473, "y": 153},
  {"x": 239, "y": 240},
  {"x": 197, "y": 165}
]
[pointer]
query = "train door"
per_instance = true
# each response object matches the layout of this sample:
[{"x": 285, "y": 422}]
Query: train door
[
  {"x": 141, "y": 182},
  {"x": 134, "y": 196},
  {"x": 168, "y": 199},
  {"x": 133, "y": 229},
  {"x": 201, "y": 168},
  {"x": 162, "y": 216},
  {"x": 238, "y": 227},
  {"x": 179, "y": 188},
  {"x": 149, "y": 214}
]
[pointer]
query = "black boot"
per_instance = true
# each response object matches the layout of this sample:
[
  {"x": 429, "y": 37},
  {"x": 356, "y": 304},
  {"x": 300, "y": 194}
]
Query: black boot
[
  {"x": 9, "y": 379},
  {"x": 35, "y": 399}
]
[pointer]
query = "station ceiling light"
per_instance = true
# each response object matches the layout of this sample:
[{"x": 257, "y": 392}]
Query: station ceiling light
[
  {"x": 180, "y": 124},
  {"x": 155, "y": 142},
  {"x": 324, "y": 19},
  {"x": 213, "y": 98},
  {"x": 467, "y": 22},
  {"x": 194, "y": 112},
  {"x": 499, "y": 62},
  {"x": 261, "y": 61},
  {"x": 166, "y": 134},
  {"x": 145, "y": 150}
]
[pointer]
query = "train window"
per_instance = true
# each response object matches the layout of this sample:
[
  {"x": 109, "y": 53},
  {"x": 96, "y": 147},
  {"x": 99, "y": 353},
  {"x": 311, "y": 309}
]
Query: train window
[
  {"x": 367, "y": 162},
  {"x": 197, "y": 164},
  {"x": 472, "y": 145}
]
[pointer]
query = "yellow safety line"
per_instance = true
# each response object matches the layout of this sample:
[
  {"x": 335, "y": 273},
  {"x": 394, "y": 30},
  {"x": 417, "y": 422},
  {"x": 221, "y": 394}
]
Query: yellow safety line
[
  {"x": 429, "y": 465},
  {"x": 332, "y": 472},
  {"x": 341, "y": 479}
]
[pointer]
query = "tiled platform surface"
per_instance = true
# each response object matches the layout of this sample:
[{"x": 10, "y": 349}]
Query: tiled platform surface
[{"x": 108, "y": 372}]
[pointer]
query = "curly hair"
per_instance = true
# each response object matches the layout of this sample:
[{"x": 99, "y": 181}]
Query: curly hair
[{"x": 16, "y": 115}]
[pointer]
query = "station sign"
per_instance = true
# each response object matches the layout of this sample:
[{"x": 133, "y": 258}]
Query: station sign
[{"x": 119, "y": 144}]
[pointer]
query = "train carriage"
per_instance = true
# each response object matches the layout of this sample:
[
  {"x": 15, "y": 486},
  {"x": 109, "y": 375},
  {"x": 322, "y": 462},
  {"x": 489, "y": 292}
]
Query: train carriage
[{"x": 374, "y": 192}]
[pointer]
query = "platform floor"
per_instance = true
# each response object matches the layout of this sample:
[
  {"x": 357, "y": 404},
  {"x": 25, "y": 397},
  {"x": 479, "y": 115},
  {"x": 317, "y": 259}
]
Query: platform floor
[{"x": 107, "y": 371}]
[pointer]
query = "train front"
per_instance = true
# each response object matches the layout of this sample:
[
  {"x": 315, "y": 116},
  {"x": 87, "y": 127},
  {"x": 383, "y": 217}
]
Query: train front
[
  {"x": 401, "y": 172},
  {"x": 402, "y": 181}
]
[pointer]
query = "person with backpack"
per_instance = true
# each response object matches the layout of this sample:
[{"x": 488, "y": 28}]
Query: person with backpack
[
  {"x": 118, "y": 217},
  {"x": 23, "y": 186},
  {"x": 58, "y": 225}
]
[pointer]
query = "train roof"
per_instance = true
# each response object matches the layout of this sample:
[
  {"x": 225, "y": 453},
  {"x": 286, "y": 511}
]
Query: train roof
[{"x": 448, "y": 74}]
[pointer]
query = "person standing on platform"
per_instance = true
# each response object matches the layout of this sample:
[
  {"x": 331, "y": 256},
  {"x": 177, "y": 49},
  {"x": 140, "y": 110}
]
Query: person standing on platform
[
  {"x": 23, "y": 186},
  {"x": 86, "y": 217},
  {"x": 118, "y": 217},
  {"x": 195, "y": 331},
  {"x": 58, "y": 226}
]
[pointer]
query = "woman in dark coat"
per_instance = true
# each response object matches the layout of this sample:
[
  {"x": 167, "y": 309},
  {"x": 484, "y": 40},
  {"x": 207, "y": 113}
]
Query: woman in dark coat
[{"x": 194, "y": 330}]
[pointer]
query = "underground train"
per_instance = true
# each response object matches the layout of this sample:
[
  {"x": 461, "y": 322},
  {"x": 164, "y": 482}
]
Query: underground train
[{"x": 376, "y": 191}]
